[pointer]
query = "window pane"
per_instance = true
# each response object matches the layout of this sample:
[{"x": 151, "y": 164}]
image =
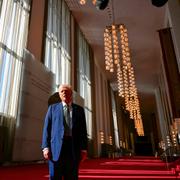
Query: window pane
[
  {"x": 115, "y": 123},
  {"x": 84, "y": 81},
  {"x": 57, "y": 55},
  {"x": 14, "y": 19}
]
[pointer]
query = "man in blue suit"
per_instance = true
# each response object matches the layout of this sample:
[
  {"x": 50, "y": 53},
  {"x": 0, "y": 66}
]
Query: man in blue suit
[{"x": 64, "y": 141}]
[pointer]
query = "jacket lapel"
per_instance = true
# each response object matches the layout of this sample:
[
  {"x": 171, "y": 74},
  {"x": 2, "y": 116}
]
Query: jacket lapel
[
  {"x": 73, "y": 113},
  {"x": 59, "y": 114}
]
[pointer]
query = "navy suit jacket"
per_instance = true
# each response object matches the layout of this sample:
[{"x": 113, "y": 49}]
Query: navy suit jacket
[{"x": 53, "y": 130}]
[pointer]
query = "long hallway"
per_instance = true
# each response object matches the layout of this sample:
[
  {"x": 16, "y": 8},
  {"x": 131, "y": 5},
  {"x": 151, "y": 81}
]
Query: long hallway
[
  {"x": 120, "y": 168},
  {"x": 121, "y": 60}
]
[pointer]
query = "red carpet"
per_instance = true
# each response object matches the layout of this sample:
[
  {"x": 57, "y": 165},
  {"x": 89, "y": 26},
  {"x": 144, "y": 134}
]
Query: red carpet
[{"x": 103, "y": 169}]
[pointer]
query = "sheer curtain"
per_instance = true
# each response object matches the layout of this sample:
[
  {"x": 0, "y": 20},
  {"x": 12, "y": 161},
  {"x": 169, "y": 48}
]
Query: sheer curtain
[
  {"x": 14, "y": 17},
  {"x": 57, "y": 49},
  {"x": 13, "y": 35},
  {"x": 84, "y": 80},
  {"x": 0, "y": 5},
  {"x": 115, "y": 123}
]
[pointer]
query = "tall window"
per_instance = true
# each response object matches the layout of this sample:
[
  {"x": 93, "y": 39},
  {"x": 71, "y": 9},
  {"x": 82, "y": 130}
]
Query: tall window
[
  {"x": 115, "y": 123},
  {"x": 14, "y": 16},
  {"x": 0, "y": 5},
  {"x": 84, "y": 80},
  {"x": 57, "y": 50}
]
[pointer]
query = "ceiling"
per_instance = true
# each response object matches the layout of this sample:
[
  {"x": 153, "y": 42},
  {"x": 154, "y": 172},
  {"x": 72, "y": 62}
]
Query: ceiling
[{"x": 143, "y": 20}]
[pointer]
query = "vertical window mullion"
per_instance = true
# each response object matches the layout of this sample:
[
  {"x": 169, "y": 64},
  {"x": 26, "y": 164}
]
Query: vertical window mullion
[
  {"x": 3, "y": 19},
  {"x": 20, "y": 28}
]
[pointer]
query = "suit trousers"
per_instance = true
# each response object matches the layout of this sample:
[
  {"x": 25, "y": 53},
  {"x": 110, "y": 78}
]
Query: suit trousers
[{"x": 66, "y": 168}]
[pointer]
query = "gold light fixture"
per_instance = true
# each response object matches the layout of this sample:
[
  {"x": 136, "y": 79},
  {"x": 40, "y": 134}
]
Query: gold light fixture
[
  {"x": 82, "y": 2},
  {"x": 110, "y": 140},
  {"x": 117, "y": 58},
  {"x": 100, "y": 4},
  {"x": 101, "y": 137}
]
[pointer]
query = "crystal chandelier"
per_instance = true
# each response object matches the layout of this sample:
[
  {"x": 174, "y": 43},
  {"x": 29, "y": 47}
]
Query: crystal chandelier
[{"x": 117, "y": 58}]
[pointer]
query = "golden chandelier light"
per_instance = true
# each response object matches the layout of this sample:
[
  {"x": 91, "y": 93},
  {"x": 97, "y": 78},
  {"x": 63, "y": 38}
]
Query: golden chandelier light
[
  {"x": 99, "y": 4},
  {"x": 117, "y": 58},
  {"x": 82, "y": 2}
]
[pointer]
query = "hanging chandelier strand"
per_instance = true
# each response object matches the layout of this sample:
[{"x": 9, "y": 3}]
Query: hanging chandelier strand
[{"x": 117, "y": 57}]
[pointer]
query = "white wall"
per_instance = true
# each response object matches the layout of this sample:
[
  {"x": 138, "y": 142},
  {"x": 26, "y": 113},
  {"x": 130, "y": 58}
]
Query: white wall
[
  {"x": 77, "y": 99},
  {"x": 102, "y": 107},
  {"x": 37, "y": 85},
  {"x": 163, "y": 105},
  {"x": 174, "y": 21}
]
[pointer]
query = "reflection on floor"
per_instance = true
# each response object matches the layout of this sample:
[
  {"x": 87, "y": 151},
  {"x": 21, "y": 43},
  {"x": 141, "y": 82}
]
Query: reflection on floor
[{"x": 104, "y": 169}]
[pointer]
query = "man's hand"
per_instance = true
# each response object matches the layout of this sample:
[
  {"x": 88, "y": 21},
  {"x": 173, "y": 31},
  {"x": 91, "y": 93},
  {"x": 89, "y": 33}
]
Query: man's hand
[
  {"x": 83, "y": 155},
  {"x": 46, "y": 154}
]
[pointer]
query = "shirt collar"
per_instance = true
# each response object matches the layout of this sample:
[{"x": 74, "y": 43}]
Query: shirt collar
[{"x": 63, "y": 103}]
